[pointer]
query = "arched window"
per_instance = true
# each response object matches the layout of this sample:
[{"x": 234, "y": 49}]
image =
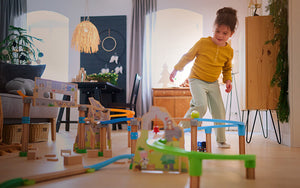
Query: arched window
[
  {"x": 53, "y": 28},
  {"x": 175, "y": 32}
]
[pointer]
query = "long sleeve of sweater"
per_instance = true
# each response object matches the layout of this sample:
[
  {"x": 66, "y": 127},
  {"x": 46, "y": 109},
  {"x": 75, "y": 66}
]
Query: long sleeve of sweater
[{"x": 210, "y": 60}]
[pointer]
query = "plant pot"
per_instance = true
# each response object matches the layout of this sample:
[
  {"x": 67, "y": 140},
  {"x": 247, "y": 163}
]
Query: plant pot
[{"x": 10, "y": 71}]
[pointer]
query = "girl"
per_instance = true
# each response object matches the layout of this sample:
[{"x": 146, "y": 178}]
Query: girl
[{"x": 213, "y": 56}]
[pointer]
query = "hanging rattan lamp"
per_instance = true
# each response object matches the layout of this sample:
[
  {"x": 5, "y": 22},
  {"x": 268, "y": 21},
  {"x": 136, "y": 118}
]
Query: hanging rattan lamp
[{"x": 86, "y": 37}]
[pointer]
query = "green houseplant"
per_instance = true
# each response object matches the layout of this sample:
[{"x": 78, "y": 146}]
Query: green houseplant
[
  {"x": 17, "y": 53},
  {"x": 104, "y": 77},
  {"x": 18, "y": 47},
  {"x": 279, "y": 12}
]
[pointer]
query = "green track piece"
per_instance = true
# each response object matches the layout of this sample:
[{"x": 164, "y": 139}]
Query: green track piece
[
  {"x": 16, "y": 182},
  {"x": 195, "y": 158},
  {"x": 80, "y": 150},
  {"x": 23, "y": 154}
]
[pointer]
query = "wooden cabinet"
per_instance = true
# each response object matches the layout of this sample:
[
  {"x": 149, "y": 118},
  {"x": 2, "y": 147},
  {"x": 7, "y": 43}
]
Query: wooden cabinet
[
  {"x": 175, "y": 100},
  {"x": 260, "y": 64}
]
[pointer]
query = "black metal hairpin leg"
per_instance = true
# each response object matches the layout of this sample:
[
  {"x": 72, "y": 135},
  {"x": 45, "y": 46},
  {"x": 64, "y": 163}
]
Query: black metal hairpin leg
[
  {"x": 248, "y": 140},
  {"x": 265, "y": 132},
  {"x": 247, "y": 126},
  {"x": 278, "y": 137}
]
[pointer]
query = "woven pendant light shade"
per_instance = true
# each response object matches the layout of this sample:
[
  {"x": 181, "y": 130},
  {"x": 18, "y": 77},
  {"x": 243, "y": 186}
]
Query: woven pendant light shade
[{"x": 86, "y": 37}]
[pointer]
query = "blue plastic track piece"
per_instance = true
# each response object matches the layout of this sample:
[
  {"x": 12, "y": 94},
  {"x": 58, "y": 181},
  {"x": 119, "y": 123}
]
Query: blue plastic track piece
[
  {"x": 81, "y": 120},
  {"x": 128, "y": 128},
  {"x": 117, "y": 120},
  {"x": 98, "y": 166},
  {"x": 240, "y": 125},
  {"x": 25, "y": 120},
  {"x": 208, "y": 131},
  {"x": 241, "y": 130}
]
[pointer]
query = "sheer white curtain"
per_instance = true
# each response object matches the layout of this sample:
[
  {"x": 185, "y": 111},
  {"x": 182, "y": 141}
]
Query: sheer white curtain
[
  {"x": 141, "y": 8},
  {"x": 147, "y": 68}
]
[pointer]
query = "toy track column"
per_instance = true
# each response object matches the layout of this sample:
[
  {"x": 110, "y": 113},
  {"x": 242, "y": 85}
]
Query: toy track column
[
  {"x": 129, "y": 131},
  {"x": 25, "y": 122},
  {"x": 81, "y": 129},
  {"x": 194, "y": 124},
  {"x": 241, "y": 132},
  {"x": 208, "y": 140},
  {"x": 133, "y": 135},
  {"x": 195, "y": 171},
  {"x": 103, "y": 138}
]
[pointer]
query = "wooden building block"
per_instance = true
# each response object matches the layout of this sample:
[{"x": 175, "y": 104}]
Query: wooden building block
[
  {"x": 52, "y": 159},
  {"x": 50, "y": 155},
  {"x": 72, "y": 159},
  {"x": 107, "y": 153},
  {"x": 93, "y": 153},
  {"x": 31, "y": 155}
]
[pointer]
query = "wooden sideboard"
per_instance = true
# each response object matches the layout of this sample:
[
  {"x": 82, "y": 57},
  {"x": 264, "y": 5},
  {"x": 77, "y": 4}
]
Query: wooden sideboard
[
  {"x": 260, "y": 64},
  {"x": 175, "y": 100}
]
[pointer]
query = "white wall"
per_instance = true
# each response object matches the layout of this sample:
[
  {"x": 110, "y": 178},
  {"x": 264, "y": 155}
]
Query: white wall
[
  {"x": 74, "y": 9},
  {"x": 294, "y": 67}
]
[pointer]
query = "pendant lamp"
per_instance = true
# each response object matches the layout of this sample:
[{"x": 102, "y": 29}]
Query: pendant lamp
[{"x": 86, "y": 37}]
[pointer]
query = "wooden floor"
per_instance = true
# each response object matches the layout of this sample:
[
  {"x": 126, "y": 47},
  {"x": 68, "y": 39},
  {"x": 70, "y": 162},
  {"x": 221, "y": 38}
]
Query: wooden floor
[{"x": 276, "y": 166}]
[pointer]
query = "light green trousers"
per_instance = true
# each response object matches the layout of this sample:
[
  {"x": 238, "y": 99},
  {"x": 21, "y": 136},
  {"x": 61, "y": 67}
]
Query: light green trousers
[{"x": 206, "y": 94}]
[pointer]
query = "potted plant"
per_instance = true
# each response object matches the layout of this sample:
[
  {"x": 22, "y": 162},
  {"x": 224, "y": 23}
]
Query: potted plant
[
  {"x": 18, "y": 47},
  {"x": 17, "y": 53},
  {"x": 279, "y": 11},
  {"x": 104, "y": 77}
]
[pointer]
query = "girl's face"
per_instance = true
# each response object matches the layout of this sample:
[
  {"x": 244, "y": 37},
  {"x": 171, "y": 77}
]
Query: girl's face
[{"x": 221, "y": 34}]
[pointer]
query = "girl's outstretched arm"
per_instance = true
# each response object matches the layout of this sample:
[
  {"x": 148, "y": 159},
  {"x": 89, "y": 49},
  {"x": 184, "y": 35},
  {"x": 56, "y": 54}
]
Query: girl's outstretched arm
[{"x": 172, "y": 75}]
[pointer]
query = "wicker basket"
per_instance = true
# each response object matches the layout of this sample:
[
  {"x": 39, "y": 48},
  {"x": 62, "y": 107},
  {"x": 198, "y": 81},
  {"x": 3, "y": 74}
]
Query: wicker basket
[
  {"x": 12, "y": 133},
  {"x": 38, "y": 132}
]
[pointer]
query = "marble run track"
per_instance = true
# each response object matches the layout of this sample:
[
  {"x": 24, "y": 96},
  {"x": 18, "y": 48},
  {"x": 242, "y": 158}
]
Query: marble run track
[{"x": 16, "y": 182}]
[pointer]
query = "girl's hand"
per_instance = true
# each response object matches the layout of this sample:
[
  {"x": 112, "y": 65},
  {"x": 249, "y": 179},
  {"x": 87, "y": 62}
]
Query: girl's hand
[
  {"x": 228, "y": 86},
  {"x": 172, "y": 75}
]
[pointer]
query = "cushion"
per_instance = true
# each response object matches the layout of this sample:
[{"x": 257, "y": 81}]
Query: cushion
[
  {"x": 9, "y": 72},
  {"x": 26, "y": 86}
]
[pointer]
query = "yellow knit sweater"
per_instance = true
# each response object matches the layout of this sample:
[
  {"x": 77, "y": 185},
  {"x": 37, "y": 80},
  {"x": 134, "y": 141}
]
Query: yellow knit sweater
[{"x": 210, "y": 61}]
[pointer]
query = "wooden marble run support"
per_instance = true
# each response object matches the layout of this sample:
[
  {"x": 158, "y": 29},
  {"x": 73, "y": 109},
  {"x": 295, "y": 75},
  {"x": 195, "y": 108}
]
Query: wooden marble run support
[
  {"x": 58, "y": 174},
  {"x": 194, "y": 181},
  {"x": 208, "y": 142},
  {"x": 25, "y": 121},
  {"x": 128, "y": 131},
  {"x": 103, "y": 138},
  {"x": 242, "y": 144},
  {"x": 208, "y": 130},
  {"x": 194, "y": 124},
  {"x": 81, "y": 127},
  {"x": 133, "y": 135}
]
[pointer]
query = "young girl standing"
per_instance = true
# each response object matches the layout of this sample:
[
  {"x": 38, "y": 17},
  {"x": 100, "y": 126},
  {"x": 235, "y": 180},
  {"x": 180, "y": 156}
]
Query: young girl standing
[{"x": 213, "y": 57}]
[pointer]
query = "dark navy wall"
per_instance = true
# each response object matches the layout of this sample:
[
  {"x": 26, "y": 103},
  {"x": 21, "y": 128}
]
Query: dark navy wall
[{"x": 112, "y": 50}]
